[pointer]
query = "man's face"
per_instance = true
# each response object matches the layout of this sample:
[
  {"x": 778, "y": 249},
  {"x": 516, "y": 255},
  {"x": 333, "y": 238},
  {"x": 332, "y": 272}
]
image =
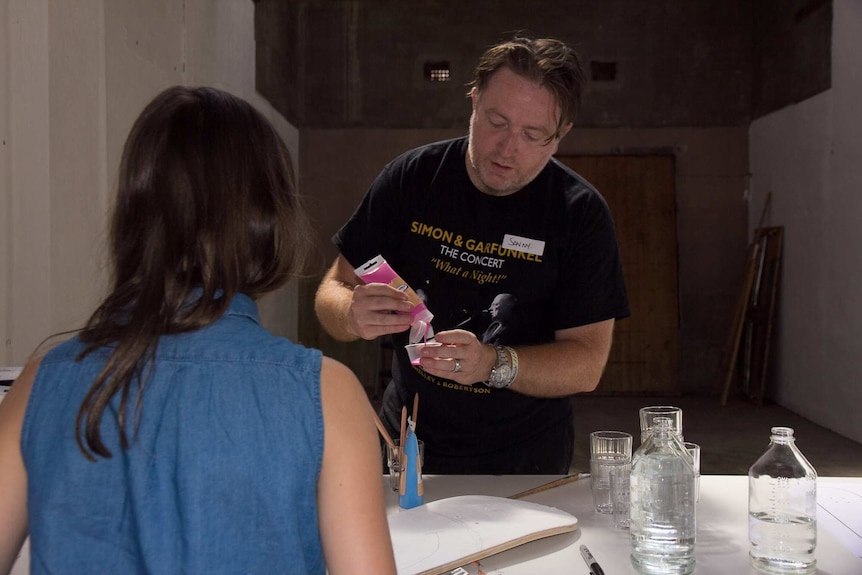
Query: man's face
[
  {"x": 501, "y": 306},
  {"x": 495, "y": 306},
  {"x": 512, "y": 120}
]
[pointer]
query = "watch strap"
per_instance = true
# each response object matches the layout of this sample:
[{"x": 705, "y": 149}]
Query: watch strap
[{"x": 514, "y": 356}]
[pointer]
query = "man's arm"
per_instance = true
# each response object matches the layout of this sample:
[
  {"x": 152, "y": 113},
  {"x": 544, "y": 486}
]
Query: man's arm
[
  {"x": 573, "y": 363},
  {"x": 349, "y": 309}
]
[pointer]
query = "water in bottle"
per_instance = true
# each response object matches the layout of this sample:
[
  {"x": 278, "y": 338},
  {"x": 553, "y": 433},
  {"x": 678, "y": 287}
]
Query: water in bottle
[
  {"x": 662, "y": 491},
  {"x": 782, "y": 508}
]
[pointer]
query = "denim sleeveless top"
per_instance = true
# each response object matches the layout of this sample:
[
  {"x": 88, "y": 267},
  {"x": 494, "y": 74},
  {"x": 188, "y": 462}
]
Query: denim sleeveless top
[{"x": 220, "y": 478}]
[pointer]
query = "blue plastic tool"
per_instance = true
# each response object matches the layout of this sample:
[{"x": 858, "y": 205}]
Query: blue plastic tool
[{"x": 412, "y": 492}]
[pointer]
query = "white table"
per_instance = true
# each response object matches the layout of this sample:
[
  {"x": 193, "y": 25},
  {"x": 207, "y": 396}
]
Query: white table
[
  {"x": 7, "y": 376},
  {"x": 722, "y": 528}
]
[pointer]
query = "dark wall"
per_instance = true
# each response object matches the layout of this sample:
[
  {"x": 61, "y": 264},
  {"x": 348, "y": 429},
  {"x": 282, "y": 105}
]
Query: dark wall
[
  {"x": 792, "y": 52},
  {"x": 677, "y": 63},
  {"x": 336, "y": 64}
]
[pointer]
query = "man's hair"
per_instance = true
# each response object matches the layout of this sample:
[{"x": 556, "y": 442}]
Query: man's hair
[
  {"x": 206, "y": 208},
  {"x": 546, "y": 61}
]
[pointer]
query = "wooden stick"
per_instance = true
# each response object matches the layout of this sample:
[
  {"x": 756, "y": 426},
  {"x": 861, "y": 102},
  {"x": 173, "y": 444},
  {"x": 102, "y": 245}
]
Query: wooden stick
[
  {"x": 382, "y": 429},
  {"x": 403, "y": 434},
  {"x": 742, "y": 303},
  {"x": 550, "y": 485},
  {"x": 415, "y": 410},
  {"x": 739, "y": 318}
]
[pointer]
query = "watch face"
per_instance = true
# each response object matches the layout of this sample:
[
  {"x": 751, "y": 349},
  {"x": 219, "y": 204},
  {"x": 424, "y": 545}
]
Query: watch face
[
  {"x": 502, "y": 372},
  {"x": 500, "y": 375}
]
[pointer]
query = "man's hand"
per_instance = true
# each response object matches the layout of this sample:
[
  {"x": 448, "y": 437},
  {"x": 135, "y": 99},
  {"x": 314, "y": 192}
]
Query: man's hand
[
  {"x": 573, "y": 363},
  {"x": 349, "y": 309},
  {"x": 462, "y": 357},
  {"x": 378, "y": 309}
]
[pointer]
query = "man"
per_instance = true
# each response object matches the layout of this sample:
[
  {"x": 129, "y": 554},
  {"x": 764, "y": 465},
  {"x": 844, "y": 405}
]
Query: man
[{"x": 464, "y": 220}]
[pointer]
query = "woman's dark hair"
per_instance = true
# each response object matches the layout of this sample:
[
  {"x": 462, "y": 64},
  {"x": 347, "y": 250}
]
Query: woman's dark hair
[
  {"x": 206, "y": 208},
  {"x": 548, "y": 62}
]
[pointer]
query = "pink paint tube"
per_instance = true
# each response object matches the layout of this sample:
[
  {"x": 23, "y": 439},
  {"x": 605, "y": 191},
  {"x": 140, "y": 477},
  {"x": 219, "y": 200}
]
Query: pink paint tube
[{"x": 377, "y": 270}]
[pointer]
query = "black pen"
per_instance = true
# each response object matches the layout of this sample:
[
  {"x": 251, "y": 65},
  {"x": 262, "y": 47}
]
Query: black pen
[{"x": 595, "y": 569}]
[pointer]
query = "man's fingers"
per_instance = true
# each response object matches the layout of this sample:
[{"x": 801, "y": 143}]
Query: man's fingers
[
  {"x": 380, "y": 298},
  {"x": 379, "y": 309}
]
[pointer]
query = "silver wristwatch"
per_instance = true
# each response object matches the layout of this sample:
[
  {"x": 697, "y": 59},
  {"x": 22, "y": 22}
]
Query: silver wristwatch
[{"x": 506, "y": 369}]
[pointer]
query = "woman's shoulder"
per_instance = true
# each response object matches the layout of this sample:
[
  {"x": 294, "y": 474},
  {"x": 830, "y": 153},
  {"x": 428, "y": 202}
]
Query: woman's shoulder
[
  {"x": 339, "y": 386},
  {"x": 336, "y": 372}
]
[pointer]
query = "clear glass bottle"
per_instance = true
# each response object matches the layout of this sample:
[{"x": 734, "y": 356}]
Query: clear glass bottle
[
  {"x": 662, "y": 526},
  {"x": 782, "y": 508}
]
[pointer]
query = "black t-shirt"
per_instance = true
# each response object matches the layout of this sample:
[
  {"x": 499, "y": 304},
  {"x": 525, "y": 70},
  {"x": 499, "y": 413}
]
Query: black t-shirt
[{"x": 550, "y": 248}]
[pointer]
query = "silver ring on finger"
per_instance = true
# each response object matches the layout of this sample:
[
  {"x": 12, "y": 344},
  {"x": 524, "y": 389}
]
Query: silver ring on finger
[{"x": 457, "y": 366}]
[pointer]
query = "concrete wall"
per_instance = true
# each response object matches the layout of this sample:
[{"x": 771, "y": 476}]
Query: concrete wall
[
  {"x": 792, "y": 52},
  {"x": 73, "y": 77},
  {"x": 359, "y": 63},
  {"x": 809, "y": 156}
]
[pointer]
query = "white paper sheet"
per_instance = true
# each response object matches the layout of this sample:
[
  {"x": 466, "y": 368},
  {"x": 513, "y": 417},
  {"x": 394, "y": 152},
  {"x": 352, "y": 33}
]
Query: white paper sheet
[
  {"x": 439, "y": 536},
  {"x": 840, "y": 512}
]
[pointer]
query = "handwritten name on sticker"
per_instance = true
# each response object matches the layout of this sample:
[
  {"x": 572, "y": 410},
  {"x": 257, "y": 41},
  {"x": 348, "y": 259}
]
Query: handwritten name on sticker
[{"x": 526, "y": 245}]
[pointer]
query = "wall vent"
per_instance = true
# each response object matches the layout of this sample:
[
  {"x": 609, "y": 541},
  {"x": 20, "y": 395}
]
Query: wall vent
[{"x": 437, "y": 71}]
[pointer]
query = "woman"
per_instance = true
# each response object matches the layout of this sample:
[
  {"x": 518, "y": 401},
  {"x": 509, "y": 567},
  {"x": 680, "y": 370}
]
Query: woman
[{"x": 174, "y": 434}]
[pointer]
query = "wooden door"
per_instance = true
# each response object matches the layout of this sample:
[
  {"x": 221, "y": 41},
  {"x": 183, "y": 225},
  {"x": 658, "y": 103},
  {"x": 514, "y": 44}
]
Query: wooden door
[{"x": 641, "y": 195}]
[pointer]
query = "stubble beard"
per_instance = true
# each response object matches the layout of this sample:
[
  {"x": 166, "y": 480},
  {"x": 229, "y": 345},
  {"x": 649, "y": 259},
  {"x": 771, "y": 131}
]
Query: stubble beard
[{"x": 478, "y": 179}]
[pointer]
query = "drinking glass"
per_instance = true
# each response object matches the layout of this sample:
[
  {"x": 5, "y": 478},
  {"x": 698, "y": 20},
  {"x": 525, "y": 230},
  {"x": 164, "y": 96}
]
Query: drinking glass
[
  {"x": 694, "y": 450},
  {"x": 394, "y": 463},
  {"x": 648, "y": 415},
  {"x": 610, "y": 453}
]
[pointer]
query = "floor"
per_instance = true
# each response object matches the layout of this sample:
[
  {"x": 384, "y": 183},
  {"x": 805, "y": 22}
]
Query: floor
[{"x": 731, "y": 437}]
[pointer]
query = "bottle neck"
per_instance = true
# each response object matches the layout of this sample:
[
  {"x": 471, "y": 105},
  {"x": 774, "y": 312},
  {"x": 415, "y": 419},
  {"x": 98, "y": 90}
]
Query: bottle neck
[
  {"x": 782, "y": 435},
  {"x": 662, "y": 430}
]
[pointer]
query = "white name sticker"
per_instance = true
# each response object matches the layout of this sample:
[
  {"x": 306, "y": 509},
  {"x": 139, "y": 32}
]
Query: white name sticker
[{"x": 526, "y": 245}]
